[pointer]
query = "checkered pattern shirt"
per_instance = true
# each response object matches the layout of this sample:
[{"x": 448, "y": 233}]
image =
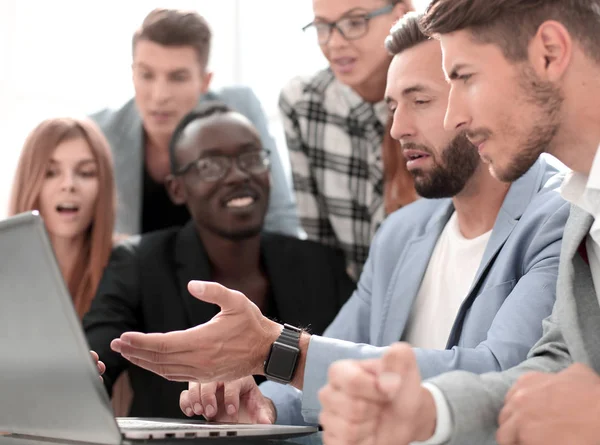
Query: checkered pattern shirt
[{"x": 334, "y": 139}]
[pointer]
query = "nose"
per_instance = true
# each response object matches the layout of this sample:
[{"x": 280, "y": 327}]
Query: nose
[
  {"x": 161, "y": 90},
  {"x": 68, "y": 182},
  {"x": 402, "y": 125},
  {"x": 236, "y": 173},
  {"x": 457, "y": 116},
  {"x": 336, "y": 39}
]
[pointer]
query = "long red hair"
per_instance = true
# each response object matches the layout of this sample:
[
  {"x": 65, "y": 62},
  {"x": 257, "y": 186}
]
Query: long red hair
[{"x": 27, "y": 185}]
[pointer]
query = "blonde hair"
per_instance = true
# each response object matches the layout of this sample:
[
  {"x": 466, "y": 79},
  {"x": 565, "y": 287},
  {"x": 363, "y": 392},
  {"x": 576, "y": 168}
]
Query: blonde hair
[{"x": 27, "y": 185}]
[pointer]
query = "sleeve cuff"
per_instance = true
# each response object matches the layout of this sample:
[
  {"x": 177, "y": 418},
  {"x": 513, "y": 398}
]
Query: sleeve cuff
[{"x": 443, "y": 426}]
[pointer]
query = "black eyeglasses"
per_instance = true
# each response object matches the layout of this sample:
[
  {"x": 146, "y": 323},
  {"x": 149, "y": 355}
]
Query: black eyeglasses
[
  {"x": 213, "y": 168},
  {"x": 351, "y": 27}
]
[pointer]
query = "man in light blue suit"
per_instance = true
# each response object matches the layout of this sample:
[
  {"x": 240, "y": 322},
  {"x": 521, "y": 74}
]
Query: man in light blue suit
[
  {"x": 465, "y": 276},
  {"x": 170, "y": 56}
]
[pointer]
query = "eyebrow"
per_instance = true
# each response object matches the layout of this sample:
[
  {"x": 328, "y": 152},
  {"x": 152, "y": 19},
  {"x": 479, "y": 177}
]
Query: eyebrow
[
  {"x": 79, "y": 164},
  {"x": 455, "y": 69},
  {"x": 219, "y": 152},
  {"x": 406, "y": 92},
  {"x": 414, "y": 89},
  {"x": 357, "y": 11},
  {"x": 175, "y": 71}
]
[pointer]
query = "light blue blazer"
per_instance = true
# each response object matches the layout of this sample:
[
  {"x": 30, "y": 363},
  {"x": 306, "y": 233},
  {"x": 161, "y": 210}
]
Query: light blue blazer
[
  {"x": 500, "y": 319},
  {"x": 123, "y": 129}
]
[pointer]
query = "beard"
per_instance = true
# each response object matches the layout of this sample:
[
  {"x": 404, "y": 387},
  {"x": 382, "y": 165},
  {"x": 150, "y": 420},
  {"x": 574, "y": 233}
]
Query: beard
[
  {"x": 534, "y": 137},
  {"x": 547, "y": 100},
  {"x": 447, "y": 178}
]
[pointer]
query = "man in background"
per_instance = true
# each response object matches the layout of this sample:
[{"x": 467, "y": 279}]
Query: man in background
[{"x": 170, "y": 76}]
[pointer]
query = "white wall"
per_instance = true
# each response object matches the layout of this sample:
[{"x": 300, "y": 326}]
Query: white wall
[{"x": 68, "y": 57}]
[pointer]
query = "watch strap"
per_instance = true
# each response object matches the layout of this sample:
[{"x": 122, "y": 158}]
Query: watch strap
[{"x": 290, "y": 335}]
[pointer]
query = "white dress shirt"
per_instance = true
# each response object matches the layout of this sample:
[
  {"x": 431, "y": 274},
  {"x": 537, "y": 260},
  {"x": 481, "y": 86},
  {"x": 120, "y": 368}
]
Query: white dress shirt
[{"x": 584, "y": 192}]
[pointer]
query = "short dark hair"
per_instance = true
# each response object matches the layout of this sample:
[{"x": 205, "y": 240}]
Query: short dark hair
[
  {"x": 405, "y": 34},
  {"x": 511, "y": 24},
  {"x": 175, "y": 27},
  {"x": 205, "y": 109}
]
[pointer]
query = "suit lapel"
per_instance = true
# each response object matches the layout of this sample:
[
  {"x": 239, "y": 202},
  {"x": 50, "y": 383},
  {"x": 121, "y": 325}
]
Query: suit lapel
[
  {"x": 408, "y": 275},
  {"x": 577, "y": 293},
  {"x": 514, "y": 205},
  {"x": 192, "y": 264},
  {"x": 129, "y": 166}
]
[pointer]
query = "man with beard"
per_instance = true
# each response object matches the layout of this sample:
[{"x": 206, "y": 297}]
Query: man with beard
[
  {"x": 525, "y": 79},
  {"x": 467, "y": 277},
  {"x": 220, "y": 171}
]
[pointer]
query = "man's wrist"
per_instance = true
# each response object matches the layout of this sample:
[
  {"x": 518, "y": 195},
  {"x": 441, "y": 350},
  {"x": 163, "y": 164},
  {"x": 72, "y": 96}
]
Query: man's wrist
[
  {"x": 272, "y": 331},
  {"x": 298, "y": 378},
  {"x": 427, "y": 416},
  {"x": 436, "y": 420}
]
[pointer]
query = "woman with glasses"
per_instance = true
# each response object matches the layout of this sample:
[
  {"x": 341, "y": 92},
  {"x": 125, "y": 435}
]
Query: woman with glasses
[
  {"x": 347, "y": 171},
  {"x": 220, "y": 172}
]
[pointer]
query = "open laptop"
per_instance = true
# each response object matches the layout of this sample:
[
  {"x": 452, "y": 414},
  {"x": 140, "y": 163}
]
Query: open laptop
[{"x": 49, "y": 384}]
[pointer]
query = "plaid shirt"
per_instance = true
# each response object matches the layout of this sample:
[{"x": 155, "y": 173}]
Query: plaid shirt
[{"x": 335, "y": 138}]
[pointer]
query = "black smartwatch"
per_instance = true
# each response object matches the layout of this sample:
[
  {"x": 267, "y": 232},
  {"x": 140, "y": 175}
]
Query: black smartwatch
[{"x": 281, "y": 362}]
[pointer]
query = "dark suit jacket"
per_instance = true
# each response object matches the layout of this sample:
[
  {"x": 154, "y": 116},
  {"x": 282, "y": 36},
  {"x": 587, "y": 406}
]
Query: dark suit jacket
[{"x": 144, "y": 288}]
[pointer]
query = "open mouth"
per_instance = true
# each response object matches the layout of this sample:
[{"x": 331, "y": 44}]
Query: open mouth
[
  {"x": 344, "y": 64},
  {"x": 415, "y": 156},
  {"x": 240, "y": 202},
  {"x": 67, "y": 208}
]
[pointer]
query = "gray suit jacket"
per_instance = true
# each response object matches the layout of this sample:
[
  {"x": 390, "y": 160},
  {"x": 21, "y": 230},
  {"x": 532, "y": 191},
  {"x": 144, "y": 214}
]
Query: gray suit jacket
[
  {"x": 123, "y": 129},
  {"x": 500, "y": 319},
  {"x": 571, "y": 334}
]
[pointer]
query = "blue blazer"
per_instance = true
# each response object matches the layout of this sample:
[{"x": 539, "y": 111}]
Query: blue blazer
[
  {"x": 123, "y": 129},
  {"x": 500, "y": 319}
]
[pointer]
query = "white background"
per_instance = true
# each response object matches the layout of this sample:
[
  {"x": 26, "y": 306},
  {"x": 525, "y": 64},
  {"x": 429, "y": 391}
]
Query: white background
[{"x": 72, "y": 57}]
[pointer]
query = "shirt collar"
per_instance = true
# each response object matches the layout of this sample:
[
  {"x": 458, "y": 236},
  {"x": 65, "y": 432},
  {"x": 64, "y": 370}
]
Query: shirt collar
[{"x": 576, "y": 184}]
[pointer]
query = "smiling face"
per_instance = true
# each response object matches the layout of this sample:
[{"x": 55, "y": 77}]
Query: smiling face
[
  {"x": 168, "y": 82},
  {"x": 235, "y": 205},
  {"x": 441, "y": 161},
  {"x": 361, "y": 63},
  {"x": 510, "y": 114},
  {"x": 69, "y": 192}
]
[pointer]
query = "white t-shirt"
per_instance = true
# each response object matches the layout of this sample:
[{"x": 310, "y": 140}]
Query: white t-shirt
[{"x": 447, "y": 280}]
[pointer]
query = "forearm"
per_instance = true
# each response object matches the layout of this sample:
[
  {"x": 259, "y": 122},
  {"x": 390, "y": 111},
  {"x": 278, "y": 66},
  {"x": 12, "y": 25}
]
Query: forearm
[{"x": 321, "y": 354}]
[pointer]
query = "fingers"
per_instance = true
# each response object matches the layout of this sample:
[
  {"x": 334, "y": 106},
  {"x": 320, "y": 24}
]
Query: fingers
[
  {"x": 231, "y": 396},
  {"x": 99, "y": 365},
  {"x": 356, "y": 379},
  {"x": 526, "y": 381},
  {"x": 340, "y": 430},
  {"x": 508, "y": 432},
  {"x": 400, "y": 379},
  {"x": 342, "y": 405},
  {"x": 189, "y": 400},
  {"x": 351, "y": 403},
  {"x": 208, "y": 397},
  {"x": 215, "y": 293},
  {"x": 171, "y": 342},
  {"x": 267, "y": 413}
]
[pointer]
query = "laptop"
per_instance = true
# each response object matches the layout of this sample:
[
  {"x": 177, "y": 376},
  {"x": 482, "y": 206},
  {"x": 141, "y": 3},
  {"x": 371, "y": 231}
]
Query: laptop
[{"x": 49, "y": 384}]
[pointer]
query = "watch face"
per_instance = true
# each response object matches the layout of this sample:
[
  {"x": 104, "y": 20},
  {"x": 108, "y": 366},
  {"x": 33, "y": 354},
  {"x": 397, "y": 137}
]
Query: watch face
[{"x": 282, "y": 361}]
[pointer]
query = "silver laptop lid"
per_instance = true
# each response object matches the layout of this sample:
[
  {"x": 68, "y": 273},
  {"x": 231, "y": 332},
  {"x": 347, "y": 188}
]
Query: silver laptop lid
[{"x": 49, "y": 384}]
